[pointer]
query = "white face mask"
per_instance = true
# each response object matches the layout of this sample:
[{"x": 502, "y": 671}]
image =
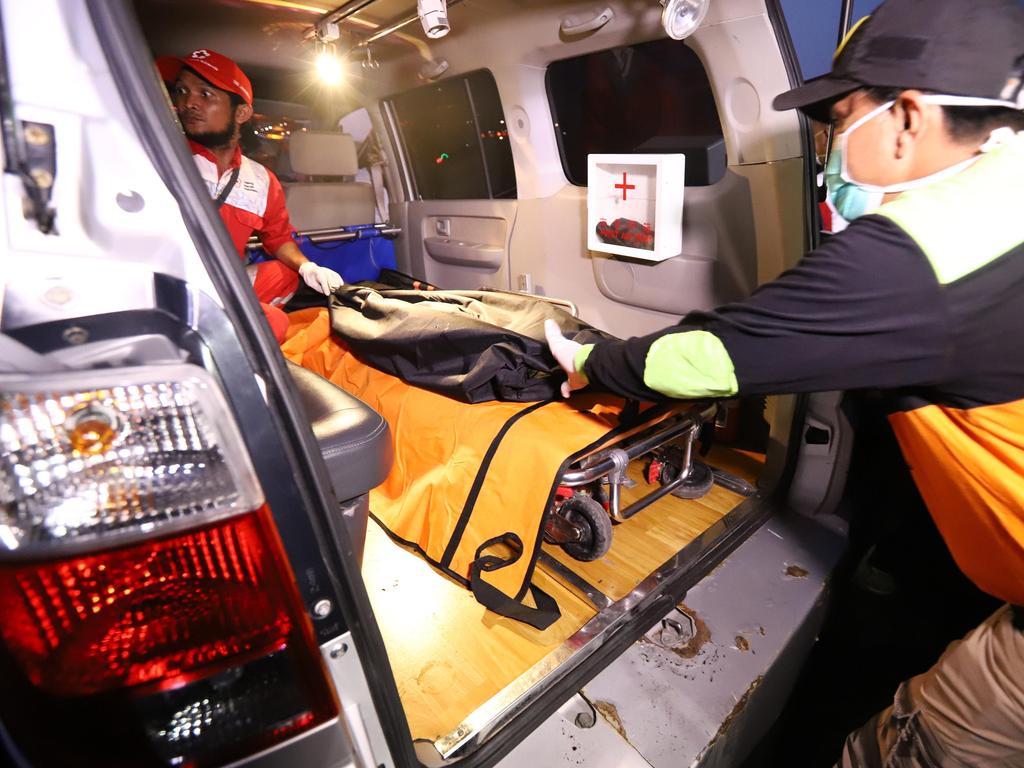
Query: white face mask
[
  {"x": 849, "y": 200},
  {"x": 948, "y": 100}
]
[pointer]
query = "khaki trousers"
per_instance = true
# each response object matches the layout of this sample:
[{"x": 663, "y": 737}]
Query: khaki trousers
[{"x": 966, "y": 711}]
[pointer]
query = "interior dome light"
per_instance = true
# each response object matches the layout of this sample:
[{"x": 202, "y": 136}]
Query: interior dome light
[
  {"x": 681, "y": 17},
  {"x": 328, "y": 67},
  {"x": 434, "y": 17}
]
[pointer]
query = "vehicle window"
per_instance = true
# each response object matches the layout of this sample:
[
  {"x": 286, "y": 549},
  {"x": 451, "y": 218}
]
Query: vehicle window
[
  {"x": 358, "y": 125},
  {"x": 265, "y": 139},
  {"x": 813, "y": 27},
  {"x": 456, "y": 139},
  {"x": 649, "y": 98}
]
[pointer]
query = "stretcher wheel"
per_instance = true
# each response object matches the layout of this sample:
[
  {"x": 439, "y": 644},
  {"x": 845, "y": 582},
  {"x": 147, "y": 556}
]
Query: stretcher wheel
[
  {"x": 697, "y": 484},
  {"x": 592, "y": 520}
]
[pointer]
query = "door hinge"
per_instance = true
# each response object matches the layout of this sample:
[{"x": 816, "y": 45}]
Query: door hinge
[{"x": 38, "y": 170}]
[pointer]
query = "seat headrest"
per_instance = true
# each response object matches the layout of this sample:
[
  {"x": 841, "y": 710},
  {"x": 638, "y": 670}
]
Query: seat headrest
[{"x": 323, "y": 153}]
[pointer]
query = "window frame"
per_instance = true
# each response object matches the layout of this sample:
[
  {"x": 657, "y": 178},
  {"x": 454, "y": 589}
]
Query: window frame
[
  {"x": 553, "y": 106},
  {"x": 411, "y": 183}
]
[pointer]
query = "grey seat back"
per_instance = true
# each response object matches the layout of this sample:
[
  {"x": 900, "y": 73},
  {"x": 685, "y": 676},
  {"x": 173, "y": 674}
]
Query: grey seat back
[{"x": 324, "y": 204}]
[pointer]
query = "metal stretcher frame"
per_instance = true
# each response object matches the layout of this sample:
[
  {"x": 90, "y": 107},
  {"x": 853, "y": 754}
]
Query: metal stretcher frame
[
  {"x": 662, "y": 588},
  {"x": 334, "y": 235},
  {"x": 610, "y": 464}
]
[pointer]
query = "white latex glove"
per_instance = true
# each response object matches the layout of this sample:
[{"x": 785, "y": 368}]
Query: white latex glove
[
  {"x": 322, "y": 279},
  {"x": 564, "y": 351}
]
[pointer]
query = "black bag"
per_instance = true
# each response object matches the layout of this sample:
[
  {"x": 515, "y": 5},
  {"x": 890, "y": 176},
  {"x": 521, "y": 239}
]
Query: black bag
[{"x": 474, "y": 346}]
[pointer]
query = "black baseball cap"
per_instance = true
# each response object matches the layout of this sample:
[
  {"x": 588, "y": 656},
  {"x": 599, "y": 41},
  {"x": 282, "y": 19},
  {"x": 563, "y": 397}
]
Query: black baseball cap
[{"x": 972, "y": 48}]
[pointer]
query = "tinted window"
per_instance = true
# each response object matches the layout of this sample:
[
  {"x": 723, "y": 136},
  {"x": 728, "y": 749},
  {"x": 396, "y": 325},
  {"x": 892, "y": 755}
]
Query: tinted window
[
  {"x": 648, "y": 98},
  {"x": 456, "y": 139},
  {"x": 265, "y": 139}
]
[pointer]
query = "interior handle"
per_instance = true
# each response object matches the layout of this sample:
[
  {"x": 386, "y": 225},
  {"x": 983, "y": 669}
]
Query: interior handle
[
  {"x": 464, "y": 253},
  {"x": 579, "y": 23}
]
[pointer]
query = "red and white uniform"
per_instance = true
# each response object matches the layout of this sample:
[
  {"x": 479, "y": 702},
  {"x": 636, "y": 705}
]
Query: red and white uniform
[{"x": 255, "y": 204}]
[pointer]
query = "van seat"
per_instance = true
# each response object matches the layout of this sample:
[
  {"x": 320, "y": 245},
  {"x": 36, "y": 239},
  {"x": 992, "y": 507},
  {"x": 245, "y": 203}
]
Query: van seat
[
  {"x": 355, "y": 442},
  {"x": 324, "y": 204},
  {"x": 354, "y": 439}
]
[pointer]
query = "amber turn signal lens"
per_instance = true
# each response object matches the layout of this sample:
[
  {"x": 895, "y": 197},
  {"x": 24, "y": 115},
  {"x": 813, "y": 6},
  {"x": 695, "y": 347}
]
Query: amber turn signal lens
[{"x": 92, "y": 431}]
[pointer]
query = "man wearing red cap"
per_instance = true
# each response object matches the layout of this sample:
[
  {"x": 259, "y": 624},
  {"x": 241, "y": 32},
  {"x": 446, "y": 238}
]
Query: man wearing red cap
[{"x": 213, "y": 98}]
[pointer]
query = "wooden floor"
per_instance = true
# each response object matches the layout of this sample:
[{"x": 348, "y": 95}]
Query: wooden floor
[
  {"x": 645, "y": 541},
  {"x": 448, "y": 653},
  {"x": 450, "y": 656},
  {"x": 746, "y": 464}
]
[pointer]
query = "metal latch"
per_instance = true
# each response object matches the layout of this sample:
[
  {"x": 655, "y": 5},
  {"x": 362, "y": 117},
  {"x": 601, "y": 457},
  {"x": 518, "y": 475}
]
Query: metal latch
[{"x": 38, "y": 169}]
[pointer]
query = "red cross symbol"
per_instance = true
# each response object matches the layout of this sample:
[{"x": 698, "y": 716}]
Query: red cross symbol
[{"x": 624, "y": 186}]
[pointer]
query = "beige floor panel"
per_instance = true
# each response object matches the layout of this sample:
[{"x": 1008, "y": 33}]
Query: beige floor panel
[
  {"x": 449, "y": 654},
  {"x": 746, "y": 464},
  {"x": 642, "y": 543}
]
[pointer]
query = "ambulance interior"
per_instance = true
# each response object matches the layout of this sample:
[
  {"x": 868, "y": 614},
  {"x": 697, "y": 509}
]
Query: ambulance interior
[{"x": 485, "y": 134}]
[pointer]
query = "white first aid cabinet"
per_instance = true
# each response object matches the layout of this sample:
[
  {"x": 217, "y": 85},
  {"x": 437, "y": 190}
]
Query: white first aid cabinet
[{"x": 645, "y": 190}]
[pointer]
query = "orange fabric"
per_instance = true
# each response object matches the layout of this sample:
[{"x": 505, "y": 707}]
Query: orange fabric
[
  {"x": 969, "y": 467},
  {"x": 440, "y": 444}
]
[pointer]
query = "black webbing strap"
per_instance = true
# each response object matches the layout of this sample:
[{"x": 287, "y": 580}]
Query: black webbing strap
[
  {"x": 547, "y": 612},
  {"x": 493, "y": 599},
  {"x": 478, "y": 481}
]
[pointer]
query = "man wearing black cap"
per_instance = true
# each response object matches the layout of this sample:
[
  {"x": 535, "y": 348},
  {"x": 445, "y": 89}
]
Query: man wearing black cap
[{"x": 922, "y": 295}]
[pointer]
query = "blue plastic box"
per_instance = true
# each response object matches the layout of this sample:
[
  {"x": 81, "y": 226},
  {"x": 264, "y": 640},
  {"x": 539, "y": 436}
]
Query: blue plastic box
[{"x": 361, "y": 258}]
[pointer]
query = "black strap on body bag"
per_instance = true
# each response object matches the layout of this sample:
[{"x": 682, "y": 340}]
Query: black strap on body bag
[{"x": 543, "y": 616}]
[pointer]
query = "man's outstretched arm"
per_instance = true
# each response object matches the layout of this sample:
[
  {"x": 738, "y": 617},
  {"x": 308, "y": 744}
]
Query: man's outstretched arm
[{"x": 865, "y": 309}]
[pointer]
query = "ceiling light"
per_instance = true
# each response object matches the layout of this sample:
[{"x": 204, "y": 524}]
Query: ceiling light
[
  {"x": 681, "y": 17},
  {"x": 328, "y": 32},
  {"x": 328, "y": 67},
  {"x": 434, "y": 17}
]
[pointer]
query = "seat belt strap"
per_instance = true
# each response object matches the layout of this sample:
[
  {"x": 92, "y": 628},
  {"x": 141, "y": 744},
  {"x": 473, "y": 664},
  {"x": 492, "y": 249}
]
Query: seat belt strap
[
  {"x": 377, "y": 179},
  {"x": 219, "y": 201}
]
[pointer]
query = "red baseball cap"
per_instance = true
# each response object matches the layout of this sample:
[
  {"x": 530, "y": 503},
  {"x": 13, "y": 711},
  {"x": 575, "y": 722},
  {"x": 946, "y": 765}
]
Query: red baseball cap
[{"x": 215, "y": 67}]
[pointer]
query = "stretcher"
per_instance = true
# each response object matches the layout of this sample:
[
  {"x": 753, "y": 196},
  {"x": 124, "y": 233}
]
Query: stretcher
[
  {"x": 589, "y": 499},
  {"x": 476, "y": 487}
]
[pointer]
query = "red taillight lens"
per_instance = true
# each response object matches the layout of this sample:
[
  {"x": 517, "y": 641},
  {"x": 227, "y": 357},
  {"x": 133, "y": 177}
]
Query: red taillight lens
[
  {"x": 147, "y": 613},
  {"x": 200, "y": 635}
]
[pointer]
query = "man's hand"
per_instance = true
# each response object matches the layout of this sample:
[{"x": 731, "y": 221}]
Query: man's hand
[
  {"x": 564, "y": 351},
  {"x": 322, "y": 279}
]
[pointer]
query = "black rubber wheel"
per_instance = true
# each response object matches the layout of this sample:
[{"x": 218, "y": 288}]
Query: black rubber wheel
[
  {"x": 697, "y": 484},
  {"x": 592, "y": 519}
]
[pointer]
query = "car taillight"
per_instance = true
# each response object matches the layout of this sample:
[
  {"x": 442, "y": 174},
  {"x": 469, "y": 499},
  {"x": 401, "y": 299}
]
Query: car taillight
[{"x": 149, "y": 611}]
